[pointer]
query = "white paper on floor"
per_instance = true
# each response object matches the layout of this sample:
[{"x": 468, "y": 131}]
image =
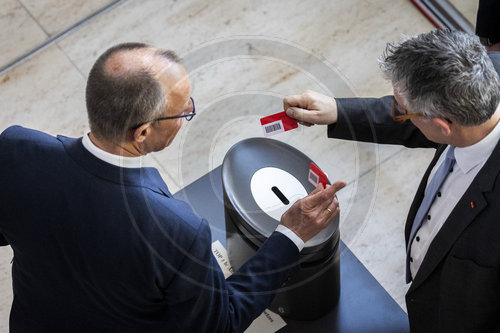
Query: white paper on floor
[{"x": 268, "y": 321}]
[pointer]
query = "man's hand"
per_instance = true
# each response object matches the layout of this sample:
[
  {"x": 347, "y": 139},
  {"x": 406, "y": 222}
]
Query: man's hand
[
  {"x": 309, "y": 215},
  {"x": 311, "y": 108}
]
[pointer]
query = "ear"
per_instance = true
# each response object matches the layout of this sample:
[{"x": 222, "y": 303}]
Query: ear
[
  {"x": 142, "y": 132},
  {"x": 443, "y": 125}
]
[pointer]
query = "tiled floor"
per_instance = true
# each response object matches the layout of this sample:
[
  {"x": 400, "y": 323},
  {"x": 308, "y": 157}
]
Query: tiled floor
[{"x": 243, "y": 57}]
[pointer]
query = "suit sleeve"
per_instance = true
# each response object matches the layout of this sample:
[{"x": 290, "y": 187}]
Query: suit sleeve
[
  {"x": 204, "y": 301},
  {"x": 370, "y": 120}
]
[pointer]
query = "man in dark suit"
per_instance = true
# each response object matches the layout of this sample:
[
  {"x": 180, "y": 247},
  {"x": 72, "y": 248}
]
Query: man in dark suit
[
  {"x": 99, "y": 243},
  {"x": 446, "y": 96}
]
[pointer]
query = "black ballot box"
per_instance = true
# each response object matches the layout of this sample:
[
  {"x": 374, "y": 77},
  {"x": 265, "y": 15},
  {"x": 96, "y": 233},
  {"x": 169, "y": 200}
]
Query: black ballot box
[
  {"x": 261, "y": 179},
  {"x": 363, "y": 306}
]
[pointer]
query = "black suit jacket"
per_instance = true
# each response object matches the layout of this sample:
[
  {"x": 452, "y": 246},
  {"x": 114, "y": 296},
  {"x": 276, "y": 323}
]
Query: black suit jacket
[{"x": 457, "y": 288}]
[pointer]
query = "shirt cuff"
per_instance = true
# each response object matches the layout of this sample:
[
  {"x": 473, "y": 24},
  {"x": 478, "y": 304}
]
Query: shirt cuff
[{"x": 291, "y": 236}]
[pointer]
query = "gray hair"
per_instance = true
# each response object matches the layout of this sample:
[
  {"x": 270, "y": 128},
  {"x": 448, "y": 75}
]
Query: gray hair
[
  {"x": 118, "y": 102},
  {"x": 445, "y": 74}
]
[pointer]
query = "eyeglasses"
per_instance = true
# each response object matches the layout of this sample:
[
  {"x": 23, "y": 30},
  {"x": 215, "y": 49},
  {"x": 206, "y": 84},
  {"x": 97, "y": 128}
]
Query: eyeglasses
[
  {"x": 188, "y": 116},
  {"x": 400, "y": 116}
]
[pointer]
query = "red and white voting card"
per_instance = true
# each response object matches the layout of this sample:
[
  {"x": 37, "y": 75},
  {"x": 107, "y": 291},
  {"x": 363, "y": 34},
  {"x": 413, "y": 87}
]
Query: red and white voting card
[
  {"x": 317, "y": 176},
  {"x": 277, "y": 123}
]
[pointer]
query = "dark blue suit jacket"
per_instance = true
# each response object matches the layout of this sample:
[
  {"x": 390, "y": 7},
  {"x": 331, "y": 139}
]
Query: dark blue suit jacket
[
  {"x": 98, "y": 248},
  {"x": 457, "y": 288}
]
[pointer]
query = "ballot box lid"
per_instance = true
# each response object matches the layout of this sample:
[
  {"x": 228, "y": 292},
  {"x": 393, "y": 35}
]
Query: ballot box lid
[{"x": 261, "y": 179}]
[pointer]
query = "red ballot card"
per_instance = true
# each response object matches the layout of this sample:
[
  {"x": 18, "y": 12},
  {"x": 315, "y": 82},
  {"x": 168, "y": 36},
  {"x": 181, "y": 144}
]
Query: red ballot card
[
  {"x": 317, "y": 176},
  {"x": 277, "y": 123}
]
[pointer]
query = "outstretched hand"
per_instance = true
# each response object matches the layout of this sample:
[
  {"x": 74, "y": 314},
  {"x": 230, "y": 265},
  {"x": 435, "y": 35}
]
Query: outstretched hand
[
  {"x": 313, "y": 213},
  {"x": 311, "y": 108}
]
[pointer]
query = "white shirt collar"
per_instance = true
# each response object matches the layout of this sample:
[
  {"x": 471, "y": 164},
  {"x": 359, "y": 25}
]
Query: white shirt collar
[
  {"x": 117, "y": 160},
  {"x": 469, "y": 157}
]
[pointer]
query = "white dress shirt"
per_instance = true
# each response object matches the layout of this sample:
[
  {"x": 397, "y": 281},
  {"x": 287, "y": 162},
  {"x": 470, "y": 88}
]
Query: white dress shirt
[
  {"x": 117, "y": 160},
  {"x": 469, "y": 160},
  {"x": 136, "y": 162}
]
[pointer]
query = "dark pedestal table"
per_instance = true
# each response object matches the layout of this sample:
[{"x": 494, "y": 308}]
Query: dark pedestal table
[{"x": 364, "y": 306}]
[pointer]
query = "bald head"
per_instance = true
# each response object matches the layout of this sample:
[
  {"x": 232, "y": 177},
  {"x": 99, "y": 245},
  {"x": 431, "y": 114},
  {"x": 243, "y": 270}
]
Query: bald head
[
  {"x": 127, "y": 86},
  {"x": 129, "y": 60}
]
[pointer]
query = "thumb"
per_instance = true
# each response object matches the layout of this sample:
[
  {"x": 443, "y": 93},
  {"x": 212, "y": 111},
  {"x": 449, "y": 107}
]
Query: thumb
[
  {"x": 298, "y": 113},
  {"x": 335, "y": 187}
]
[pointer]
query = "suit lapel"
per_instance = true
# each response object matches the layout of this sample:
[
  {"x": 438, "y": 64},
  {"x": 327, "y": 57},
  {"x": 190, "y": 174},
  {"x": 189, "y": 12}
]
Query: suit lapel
[
  {"x": 468, "y": 207},
  {"x": 461, "y": 216}
]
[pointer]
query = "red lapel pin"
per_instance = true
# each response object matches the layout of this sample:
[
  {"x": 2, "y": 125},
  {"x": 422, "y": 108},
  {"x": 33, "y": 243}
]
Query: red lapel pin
[{"x": 472, "y": 204}]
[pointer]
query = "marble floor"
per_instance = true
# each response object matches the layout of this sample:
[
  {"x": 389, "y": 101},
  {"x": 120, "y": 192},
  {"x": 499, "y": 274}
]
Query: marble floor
[{"x": 243, "y": 57}]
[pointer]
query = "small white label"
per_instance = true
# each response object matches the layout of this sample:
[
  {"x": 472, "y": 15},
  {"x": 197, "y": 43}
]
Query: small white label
[
  {"x": 268, "y": 321},
  {"x": 273, "y": 128},
  {"x": 313, "y": 178}
]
